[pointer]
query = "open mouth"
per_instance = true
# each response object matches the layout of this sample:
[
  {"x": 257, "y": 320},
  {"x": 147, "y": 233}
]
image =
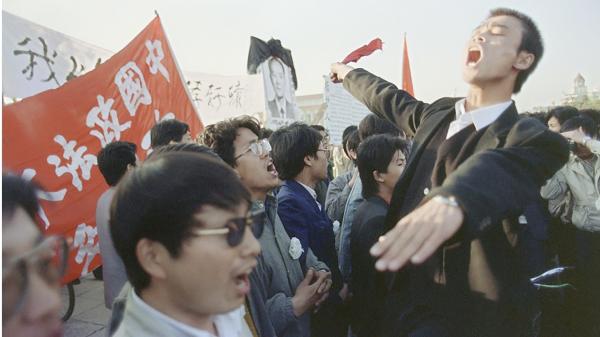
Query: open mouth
[
  {"x": 242, "y": 283},
  {"x": 473, "y": 57},
  {"x": 271, "y": 169}
]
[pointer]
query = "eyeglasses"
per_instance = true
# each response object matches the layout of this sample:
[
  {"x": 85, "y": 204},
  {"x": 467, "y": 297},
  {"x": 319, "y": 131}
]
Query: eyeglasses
[
  {"x": 259, "y": 148},
  {"x": 48, "y": 259},
  {"x": 235, "y": 228}
]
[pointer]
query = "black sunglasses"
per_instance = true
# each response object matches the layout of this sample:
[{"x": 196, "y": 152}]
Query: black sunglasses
[{"x": 235, "y": 228}]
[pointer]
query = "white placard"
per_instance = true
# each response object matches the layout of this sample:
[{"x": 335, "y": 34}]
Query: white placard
[
  {"x": 36, "y": 58},
  {"x": 342, "y": 111}
]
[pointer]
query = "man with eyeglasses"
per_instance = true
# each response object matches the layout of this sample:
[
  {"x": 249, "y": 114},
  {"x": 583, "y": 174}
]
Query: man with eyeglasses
[
  {"x": 32, "y": 266},
  {"x": 301, "y": 160},
  {"x": 284, "y": 289},
  {"x": 182, "y": 224}
]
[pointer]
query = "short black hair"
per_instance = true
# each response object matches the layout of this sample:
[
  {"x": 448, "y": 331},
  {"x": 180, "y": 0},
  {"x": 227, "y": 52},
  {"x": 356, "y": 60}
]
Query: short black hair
[
  {"x": 290, "y": 145},
  {"x": 166, "y": 131},
  {"x": 352, "y": 143},
  {"x": 531, "y": 42},
  {"x": 17, "y": 192},
  {"x": 594, "y": 115},
  {"x": 345, "y": 135},
  {"x": 113, "y": 160},
  {"x": 185, "y": 147},
  {"x": 158, "y": 200},
  {"x": 265, "y": 133},
  {"x": 318, "y": 127},
  {"x": 375, "y": 154},
  {"x": 374, "y": 125},
  {"x": 562, "y": 113},
  {"x": 587, "y": 124},
  {"x": 224, "y": 133}
]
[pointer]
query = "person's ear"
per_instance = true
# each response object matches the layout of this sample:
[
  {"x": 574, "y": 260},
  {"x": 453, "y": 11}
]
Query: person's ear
[
  {"x": 152, "y": 257},
  {"x": 524, "y": 60},
  {"x": 308, "y": 160},
  {"x": 378, "y": 176}
]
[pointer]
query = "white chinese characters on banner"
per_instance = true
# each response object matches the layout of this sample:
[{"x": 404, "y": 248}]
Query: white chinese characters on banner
[
  {"x": 220, "y": 97},
  {"x": 107, "y": 119},
  {"x": 132, "y": 87},
  {"x": 87, "y": 248},
  {"x": 155, "y": 56},
  {"x": 79, "y": 160},
  {"x": 59, "y": 195}
]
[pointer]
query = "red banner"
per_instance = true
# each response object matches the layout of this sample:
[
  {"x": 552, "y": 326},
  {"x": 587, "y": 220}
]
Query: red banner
[
  {"x": 407, "y": 84},
  {"x": 54, "y": 137}
]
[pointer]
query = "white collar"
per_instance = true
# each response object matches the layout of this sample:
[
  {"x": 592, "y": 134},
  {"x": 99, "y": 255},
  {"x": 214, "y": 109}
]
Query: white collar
[
  {"x": 228, "y": 324},
  {"x": 310, "y": 190},
  {"x": 483, "y": 116}
]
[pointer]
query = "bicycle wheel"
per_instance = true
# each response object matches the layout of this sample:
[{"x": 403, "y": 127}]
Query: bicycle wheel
[{"x": 67, "y": 293}]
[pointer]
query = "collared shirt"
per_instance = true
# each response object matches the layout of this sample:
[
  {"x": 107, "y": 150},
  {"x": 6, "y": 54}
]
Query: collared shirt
[
  {"x": 228, "y": 324},
  {"x": 480, "y": 118},
  {"x": 312, "y": 193}
]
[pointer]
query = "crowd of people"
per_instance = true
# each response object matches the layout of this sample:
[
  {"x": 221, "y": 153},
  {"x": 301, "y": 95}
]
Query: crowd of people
[{"x": 438, "y": 227}]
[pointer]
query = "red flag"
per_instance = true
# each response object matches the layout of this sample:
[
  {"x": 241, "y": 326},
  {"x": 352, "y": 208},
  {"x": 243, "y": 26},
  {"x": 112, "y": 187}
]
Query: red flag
[
  {"x": 407, "y": 84},
  {"x": 365, "y": 50},
  {"x": 54, "y": 137}
]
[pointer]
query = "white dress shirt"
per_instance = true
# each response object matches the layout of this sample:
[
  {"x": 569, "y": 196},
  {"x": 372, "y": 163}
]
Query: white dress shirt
[
  {"x": 230, "y": 324},
  {"x": 312, "y": 193},
  {"x": 480, "y": 118}
]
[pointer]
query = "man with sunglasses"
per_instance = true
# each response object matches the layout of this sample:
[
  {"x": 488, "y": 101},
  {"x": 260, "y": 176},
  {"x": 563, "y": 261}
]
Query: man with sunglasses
[
  {"x": 32, "y": 266},
  {"x": 284, "y": 290},
  {"x": 182, "y": 225},
  {"x": 301, "y": 160}
]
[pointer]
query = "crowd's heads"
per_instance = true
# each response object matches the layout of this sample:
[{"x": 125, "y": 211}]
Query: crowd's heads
[
  {"x": 115, "y": 159},
  {"x": 345, "y": 134},
  {"x": 222, "y": 136},
  {"x": 593, "y": 115},
  {"x": 325, "y": 135},
  {"x": 373, "y": 125},
  {"x": 381, "y": 160},
  {"x": 559, "y": 115},
  {"x": 296, "y": 147},
  {"x": 184, "y": 147},
  {"x": 32, "y": 265},
  {"x": 351, "y": 145},
  {"x": 168, "y": 131},
  {"x": 237, "y": 142},
  {"x": 587, "y": 125},
  {"x": 531, "y": 42},
  {"x": 179, "y": 223}
]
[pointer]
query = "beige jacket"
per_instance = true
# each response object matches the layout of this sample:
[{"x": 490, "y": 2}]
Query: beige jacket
[{"x": 585, "y": 190}]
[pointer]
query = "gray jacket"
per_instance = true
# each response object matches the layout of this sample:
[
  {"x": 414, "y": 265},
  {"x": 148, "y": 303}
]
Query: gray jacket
[
  {"x": 274, "y": 281},
  {"x": 354, "y": 200},
  {"x": 584, "y": 189},
  {"x": 337, "y": 195}
]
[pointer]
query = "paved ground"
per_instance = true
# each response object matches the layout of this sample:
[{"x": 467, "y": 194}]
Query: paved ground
[{"x": 89, "y": 316}]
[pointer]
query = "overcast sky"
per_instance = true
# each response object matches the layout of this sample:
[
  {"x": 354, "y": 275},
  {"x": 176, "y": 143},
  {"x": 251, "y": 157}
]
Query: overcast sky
[{"x": 214, "y": 36}]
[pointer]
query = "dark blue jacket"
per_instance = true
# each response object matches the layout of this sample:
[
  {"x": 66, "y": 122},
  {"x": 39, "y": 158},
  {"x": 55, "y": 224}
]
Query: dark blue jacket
[{"x": 302, "y": 219}]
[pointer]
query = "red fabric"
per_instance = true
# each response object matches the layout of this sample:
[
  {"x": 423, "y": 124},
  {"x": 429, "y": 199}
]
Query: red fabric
[
  {"x": 365, "y": 50},
  {"x": 55, "y": 136},
  {"x": 407, "y": 84}
]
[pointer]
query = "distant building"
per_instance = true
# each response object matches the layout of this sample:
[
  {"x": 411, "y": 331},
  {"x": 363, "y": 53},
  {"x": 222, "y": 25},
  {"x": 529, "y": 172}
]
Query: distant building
[{"x": 580, "y": 96}]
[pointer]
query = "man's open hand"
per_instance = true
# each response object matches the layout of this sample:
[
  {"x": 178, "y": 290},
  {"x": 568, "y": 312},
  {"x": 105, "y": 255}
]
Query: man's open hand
[{"x": 416, "y": 236}]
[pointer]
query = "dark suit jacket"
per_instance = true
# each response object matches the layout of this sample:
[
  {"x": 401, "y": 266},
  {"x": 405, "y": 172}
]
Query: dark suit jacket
[
  {"x": 302, "y": 219},
  {"x": 494, "y": 176},
  {"x": 367, "y": 285}
]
